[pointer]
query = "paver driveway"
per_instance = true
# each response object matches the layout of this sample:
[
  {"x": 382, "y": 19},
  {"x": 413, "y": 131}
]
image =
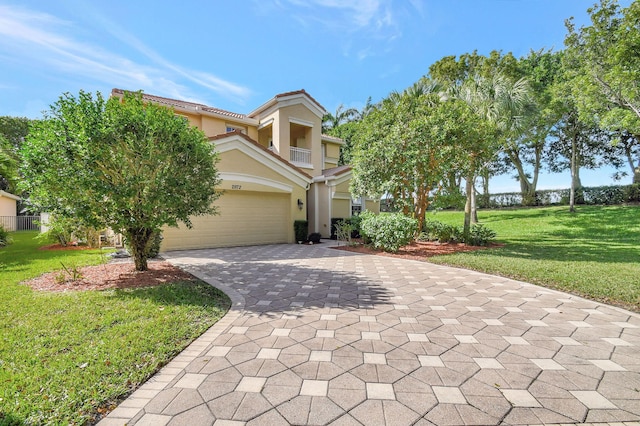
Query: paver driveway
[{"x": 321, "y": 336}]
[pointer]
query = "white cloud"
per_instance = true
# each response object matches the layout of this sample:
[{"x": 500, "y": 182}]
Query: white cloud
[
  {"x": 365, "y": 28},
  {"x": 43, "y": 40}
]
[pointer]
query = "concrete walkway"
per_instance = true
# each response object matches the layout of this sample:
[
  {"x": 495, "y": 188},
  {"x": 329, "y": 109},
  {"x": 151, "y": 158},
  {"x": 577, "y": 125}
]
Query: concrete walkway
[{"x": 321, "y": 336}]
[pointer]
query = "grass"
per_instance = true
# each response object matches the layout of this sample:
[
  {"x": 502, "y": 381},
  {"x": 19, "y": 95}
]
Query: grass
[
  {"x": 65, "y": 357},
  {"x": 594, "y": 252}
]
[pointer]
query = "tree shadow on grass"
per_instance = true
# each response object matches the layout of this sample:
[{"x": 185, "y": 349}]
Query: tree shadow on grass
[{"x": 565, "y": 249}]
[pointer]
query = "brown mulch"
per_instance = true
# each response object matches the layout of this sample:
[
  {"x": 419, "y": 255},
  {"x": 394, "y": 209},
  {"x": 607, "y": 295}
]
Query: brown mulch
[
  {"x": 111, "y": 275},
  {"x": 418, "y": 250},
  {"x": 67, "y": 247}
]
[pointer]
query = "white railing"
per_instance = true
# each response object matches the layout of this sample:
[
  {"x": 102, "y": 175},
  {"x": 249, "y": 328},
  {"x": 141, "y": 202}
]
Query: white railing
[{"x": 299, "y": 155}]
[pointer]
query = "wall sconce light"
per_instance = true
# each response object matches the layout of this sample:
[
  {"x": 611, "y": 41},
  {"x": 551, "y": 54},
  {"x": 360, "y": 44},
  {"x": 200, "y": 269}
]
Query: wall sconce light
[{"x": 300, "y": 204}]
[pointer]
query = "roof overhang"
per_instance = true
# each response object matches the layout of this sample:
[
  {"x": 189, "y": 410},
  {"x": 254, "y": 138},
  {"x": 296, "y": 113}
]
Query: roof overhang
[
  {"x": 289, "y": 99},
  {"x": 8, "y": 195}
]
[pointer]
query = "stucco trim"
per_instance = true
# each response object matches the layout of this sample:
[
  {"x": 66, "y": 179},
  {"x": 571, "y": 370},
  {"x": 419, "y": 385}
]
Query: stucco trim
[
  {"x": 301, "y": 122},
  {"x": 239, "y": 177},
  {"x": 8, "y": 195}
]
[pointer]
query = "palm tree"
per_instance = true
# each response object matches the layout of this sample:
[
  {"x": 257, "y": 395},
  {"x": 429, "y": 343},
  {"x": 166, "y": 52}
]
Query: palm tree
[
  {"x": 342, "y": 115},
  {"x": 503, "y": 103}
]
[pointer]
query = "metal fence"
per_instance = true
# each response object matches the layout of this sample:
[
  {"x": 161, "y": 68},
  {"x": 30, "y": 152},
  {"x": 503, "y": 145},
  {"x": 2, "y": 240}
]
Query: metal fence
[{"x": 20, "y": 223}]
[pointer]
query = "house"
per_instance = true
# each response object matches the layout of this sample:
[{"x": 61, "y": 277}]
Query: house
[
  {"x": 8, "y": 211},
  {"x": 276, "y": 167}
]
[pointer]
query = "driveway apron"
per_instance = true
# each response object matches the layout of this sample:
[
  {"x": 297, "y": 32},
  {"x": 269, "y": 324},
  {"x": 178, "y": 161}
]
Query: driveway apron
[{"x": 321, "y": 336}]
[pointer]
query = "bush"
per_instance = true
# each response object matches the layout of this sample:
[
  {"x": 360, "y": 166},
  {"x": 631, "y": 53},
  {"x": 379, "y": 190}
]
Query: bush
[
  {"x": 344, "y": 231},
  {"x": 314, "y": 237},
  {"x": 154, "y": 244},
  {"x": 354, "y": 221},
  {"x": 300, "y": 228},
  {"x": 65, "y": 230},
  {"x": 4, "y": 237},
  {"x": 480, "y": 236},
  {"x": 388, "y": 232},
  {"x": 432, "y": 230}
]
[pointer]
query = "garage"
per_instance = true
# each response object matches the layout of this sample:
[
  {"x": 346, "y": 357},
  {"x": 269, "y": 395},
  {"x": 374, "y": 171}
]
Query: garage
[{"x": 245, "y": 218}]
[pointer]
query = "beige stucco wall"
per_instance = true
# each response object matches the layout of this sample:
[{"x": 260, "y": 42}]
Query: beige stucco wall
[
  {"x": 237, "y": 162},
  {"x": 253, "y": 185},
  {"x": 341, "y": 208},
  {"x": 332, "y": 155},
  {"x": 373, "y": 206},
  {"x": 7, "y": 206},
  {"x": 8, "y": 213},
  {"x": 313, "y": 135}
]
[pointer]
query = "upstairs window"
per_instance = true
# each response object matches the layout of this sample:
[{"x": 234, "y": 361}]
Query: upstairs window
[{"x": 236, "y": 128}]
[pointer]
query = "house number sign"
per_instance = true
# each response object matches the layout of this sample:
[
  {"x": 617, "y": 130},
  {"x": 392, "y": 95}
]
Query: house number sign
[{"x": 236, "y": 186}]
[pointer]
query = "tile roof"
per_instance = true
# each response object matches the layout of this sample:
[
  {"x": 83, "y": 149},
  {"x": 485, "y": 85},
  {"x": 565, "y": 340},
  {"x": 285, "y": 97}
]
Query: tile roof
[
  {"x": 271, "y": 153},
  {"x": 336, "y": 171},
  {"x": 300, "y": 92},
  {"x": 184, "y": 104}
]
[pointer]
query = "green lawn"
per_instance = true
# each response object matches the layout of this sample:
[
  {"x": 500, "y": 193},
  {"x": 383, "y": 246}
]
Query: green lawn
[
  {"x": 594, "y": 253},
  {"x": 64, "y": 357}
]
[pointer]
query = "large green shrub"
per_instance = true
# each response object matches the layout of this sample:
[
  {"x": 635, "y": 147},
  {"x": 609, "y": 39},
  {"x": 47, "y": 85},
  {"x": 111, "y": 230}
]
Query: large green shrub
[
  {"x": 65, "y": 230},
  {"x": 480, "y": 235},
  {"x": 300, "y": 229},
  {"x": 388, "y": 232},
  {"x": 433, "y": 230}
]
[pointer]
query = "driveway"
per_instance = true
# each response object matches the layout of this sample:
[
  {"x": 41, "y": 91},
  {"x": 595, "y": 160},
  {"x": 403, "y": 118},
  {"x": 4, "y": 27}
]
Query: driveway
[{"x": 319, "y": 336}]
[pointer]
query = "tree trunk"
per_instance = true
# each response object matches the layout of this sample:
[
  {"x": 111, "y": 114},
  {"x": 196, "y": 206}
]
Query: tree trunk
[
  {"x": 574, "y": 181},
  {"x": 527, "y": 190},
  {"x": 467, "y": 207},
  {"x": 474, "y": 207},
  {"x": 138, "y": 241}
]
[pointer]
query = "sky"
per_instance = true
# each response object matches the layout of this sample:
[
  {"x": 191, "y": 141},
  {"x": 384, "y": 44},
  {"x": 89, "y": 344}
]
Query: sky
[{"x": 236, "y": 55}]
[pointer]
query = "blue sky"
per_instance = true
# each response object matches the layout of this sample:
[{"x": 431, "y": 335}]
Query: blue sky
[{"x": 235, "y": 55}]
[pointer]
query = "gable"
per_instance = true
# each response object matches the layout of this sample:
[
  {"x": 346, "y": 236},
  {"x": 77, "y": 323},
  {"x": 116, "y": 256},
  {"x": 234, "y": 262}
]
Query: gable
[{"x": 243, "y": 162}]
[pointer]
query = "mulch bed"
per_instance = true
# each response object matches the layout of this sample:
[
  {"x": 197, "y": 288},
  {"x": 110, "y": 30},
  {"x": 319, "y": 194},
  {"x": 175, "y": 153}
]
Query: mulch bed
[
  {"x": 418, "y": 250},
  {"x": 109, "y": 276}
]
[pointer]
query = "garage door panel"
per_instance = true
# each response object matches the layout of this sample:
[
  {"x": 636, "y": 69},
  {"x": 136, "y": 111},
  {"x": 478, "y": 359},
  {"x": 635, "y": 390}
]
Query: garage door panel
[{"x": 245, "y": 218}]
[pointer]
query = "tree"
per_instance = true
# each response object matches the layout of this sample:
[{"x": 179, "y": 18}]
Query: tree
[
  {"x": 8, "y": 165},
  {"x": 121, "y": 163},
  {"x": 498, "y": 102},
  {"x": 13, "y": 130},
  {"x": 406, "y": 144},
  {"x": 603, "y": 60},
  {"x": 576, "y": 145},
  {"x": 342, "y": 115},
  {"x": 525, "y": 150}
]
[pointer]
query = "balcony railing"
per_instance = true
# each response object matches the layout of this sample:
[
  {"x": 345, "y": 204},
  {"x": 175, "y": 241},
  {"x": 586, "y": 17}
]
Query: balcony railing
[{"x": 300, "y": 156}]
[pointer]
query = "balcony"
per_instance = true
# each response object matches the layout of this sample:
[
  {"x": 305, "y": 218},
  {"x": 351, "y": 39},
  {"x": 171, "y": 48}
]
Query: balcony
[{"x": 300, "y": 157}]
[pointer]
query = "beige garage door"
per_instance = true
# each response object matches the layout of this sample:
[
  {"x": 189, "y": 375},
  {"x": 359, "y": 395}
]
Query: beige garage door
[{"x": 246, "y": 218}]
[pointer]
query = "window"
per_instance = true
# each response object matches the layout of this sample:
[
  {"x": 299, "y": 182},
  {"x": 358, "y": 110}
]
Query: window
[
  {"x": 235, "y": 128},
  {"x": 356, "y": 205}
]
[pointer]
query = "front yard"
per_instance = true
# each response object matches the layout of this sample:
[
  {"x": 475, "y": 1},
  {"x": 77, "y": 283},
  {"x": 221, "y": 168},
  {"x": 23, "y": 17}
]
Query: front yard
[
  {"x": 66, "y": 358},
  {"x": 594, "y": 253}
]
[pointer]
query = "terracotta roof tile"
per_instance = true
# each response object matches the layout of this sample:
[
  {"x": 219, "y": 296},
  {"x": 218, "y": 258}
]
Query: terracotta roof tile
[
  {"x": 184, "y": 104},
  {"x": 300, "y": 92},
  {"x": 336, "y": 171},
  {"x": 271, "y": 153}
]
